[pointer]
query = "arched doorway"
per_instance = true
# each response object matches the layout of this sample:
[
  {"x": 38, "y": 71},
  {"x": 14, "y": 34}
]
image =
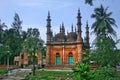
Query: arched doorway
[
  {"x": 57, "y": 59},
  {"x": 70, "y": 59}
]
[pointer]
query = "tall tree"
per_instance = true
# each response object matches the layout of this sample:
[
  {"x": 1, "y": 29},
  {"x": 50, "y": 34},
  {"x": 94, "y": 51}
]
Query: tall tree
[
  {"x": 2, "y": 26},
  {"x": 103, "y": 28},
  {"x": 17, "y": 30},
  {"x": 33, "y": 44},
  {"x": 106, "y": 53},
  {"x": 33, "y": 32},
  {"x": 12, "y": 40},
  {"x": 17, "y": 24},
  {"x": 2, "y": 54},
  {"x": 103, "y": 25}
]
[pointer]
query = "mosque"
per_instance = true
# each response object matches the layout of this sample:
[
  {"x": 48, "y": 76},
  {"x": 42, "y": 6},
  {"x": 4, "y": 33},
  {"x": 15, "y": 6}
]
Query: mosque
[{"x": 65, "y": 49}]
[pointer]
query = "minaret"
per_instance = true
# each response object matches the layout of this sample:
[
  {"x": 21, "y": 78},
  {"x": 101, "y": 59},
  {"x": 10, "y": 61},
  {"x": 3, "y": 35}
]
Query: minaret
[
  {"x": 49, "y": 32},
  {"x": 72, "y": 28},
  {"x": 79, "y": 37},
  {"x": 62, "y": 28},
  {"x": 87, "y": 35},
  {"x": 79, "y": 32},
  {"x": 75, "y": 29}
]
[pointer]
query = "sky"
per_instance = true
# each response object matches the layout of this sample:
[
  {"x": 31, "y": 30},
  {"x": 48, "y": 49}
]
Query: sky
[{"x": 33, "y": 13}]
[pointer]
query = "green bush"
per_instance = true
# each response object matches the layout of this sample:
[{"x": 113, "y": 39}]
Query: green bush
[
  {"x": 106, "y": 73},
  {"x": 83, "y": 72}
]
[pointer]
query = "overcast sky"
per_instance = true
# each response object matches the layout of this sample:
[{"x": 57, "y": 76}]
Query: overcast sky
[{"x": 33, "y": 13}]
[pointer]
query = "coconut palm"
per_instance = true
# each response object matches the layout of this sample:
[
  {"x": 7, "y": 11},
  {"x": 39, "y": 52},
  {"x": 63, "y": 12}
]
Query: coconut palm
[
  {"x": 103, "y": 25},
  {"x": 90, "y": 2}
]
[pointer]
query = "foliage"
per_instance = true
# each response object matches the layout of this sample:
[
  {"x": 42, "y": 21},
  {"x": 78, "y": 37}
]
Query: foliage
[
  {"x": 103, "y": 25},
  {"x": 11, "y": 38},
  {"x": 16, "y": 25},
  {"x": 14, "y": 38},
  {"x": 32, "y": 44},
  {"x": 33, "y": 32},
  {"x": 106, "y": 73},
  {"x": 83, "y": 72},
  {"x": 90, "y": 2},
  {"x": 2, "y": 26},
  {"x": 86, "y": 56},
  {"x": 106, "y": 53}
]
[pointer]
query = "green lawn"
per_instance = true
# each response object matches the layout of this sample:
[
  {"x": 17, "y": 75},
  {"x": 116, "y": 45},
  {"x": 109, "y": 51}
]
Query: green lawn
[
  {"x": 58, "y": 75},
  {"x": 51, "y": 75}
]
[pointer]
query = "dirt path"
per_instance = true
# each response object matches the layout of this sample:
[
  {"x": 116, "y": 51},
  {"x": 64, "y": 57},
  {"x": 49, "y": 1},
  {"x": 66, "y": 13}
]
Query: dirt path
[{"x": 17, "y": 74}]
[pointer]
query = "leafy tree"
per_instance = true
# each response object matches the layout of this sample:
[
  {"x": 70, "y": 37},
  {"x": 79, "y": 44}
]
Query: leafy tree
[
  {"x": 106, "y": 73},
  {"x": 16, "y": 25},
  {"x": 104, "y": 44},
  {"x": 6, "y": 52},
  {"x": 16, "y": 36},
  {"x": 106, "y": 53},
  {"x": 2, "y": 26},
  {"x": 23, "y": 35},
  {"x": 33, "y": 44},
  {"x": 11, "y": 39},
  {"x": 33, "y": 32}
]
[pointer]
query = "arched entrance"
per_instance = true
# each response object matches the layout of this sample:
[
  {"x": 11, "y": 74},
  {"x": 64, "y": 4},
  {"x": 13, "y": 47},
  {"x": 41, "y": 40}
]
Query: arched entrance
[
  {"x": 70, "y": 59},
  {"x": 57, "y": 59}
]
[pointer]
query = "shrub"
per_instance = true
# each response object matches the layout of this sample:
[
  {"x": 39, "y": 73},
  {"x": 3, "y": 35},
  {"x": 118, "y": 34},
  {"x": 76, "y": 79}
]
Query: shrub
[
  {"x": 83, "y": 72},
  {"x": 106, "y": 73}
]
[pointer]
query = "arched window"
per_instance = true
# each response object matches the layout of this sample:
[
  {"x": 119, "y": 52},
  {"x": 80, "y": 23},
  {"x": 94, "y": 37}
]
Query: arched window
[
  {"x": 70, "y": 59},
  {"x": 57, "y": 59}
]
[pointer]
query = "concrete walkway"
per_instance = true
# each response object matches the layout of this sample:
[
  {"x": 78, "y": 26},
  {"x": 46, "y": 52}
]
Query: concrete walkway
[{"x": 17, "y": 74}]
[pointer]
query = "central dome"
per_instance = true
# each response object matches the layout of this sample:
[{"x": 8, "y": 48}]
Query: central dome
[
  {"x": 72, "y": 36},
  {"x": 60, "y": 37}
]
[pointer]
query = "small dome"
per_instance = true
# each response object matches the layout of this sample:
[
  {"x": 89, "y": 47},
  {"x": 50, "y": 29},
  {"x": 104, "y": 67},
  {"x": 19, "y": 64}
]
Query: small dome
[
  {"x": 60, "y": 37},
  {"x": 72, "y": 36}
]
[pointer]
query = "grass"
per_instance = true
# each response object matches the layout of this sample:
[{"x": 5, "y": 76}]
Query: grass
[
  {"x": 2, "y": 72},
  {"x": 51, "y": 75}
]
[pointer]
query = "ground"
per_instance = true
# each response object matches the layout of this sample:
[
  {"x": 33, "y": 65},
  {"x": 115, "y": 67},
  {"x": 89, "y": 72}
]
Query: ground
[{"x": 16, "y": 74}]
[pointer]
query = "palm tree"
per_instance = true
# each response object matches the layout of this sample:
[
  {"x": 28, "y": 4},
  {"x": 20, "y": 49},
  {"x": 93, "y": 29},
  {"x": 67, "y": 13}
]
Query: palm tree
[
  {"x": 90, "y": 2},
  {"x": 103, "y": 23}
]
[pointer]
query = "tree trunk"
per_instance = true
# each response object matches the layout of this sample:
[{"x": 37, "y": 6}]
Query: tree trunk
[
  {"x": 7, "y": 62},
  {"x": 34, "y": 64}
]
